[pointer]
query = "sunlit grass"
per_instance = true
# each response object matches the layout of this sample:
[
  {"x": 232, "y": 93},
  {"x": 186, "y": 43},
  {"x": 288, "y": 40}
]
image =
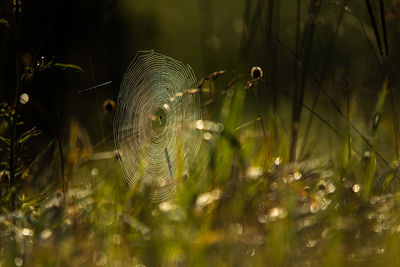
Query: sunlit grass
[
  {"x": 257, "y": 194},
  {"x": 246, "y": 205}
]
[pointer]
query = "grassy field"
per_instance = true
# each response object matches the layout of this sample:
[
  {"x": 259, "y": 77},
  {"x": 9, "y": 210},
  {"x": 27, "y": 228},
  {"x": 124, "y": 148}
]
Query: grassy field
[{"x": 304, "y": 173}]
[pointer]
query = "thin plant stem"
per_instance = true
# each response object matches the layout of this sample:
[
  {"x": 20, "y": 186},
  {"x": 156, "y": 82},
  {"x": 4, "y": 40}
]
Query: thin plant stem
[
  {"x": 259, "y": 114},
  {"x": 323, "y": 72},
  {"x": 337, "y": 108},
  {"x": 297, "y": 69},
  {"x": 13, "y": 158},
  {"x": 64, "y": 182},
  {"x": 374, "y": 26},
  {"x": 383, "y": 21}
]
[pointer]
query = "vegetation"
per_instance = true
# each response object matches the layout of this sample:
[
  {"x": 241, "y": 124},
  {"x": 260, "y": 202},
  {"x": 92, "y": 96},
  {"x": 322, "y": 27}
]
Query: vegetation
[{"x": 304, "y": 173}]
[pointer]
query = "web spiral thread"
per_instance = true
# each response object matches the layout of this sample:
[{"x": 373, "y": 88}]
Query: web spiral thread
[{"x": 154, "y": 125}]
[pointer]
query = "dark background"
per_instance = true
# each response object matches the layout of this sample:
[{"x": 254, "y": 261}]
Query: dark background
[{"x": 103, "y": 36}]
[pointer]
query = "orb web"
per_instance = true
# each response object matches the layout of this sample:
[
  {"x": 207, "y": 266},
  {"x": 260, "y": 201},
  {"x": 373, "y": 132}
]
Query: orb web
[{"x": 154, "y": 125}]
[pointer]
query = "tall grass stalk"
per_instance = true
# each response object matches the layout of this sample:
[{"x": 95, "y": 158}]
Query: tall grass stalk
[
  {"x": 326, "y": 64},
  {"x": 303, "y": 51},
  {"x": 13, "y": 156}
]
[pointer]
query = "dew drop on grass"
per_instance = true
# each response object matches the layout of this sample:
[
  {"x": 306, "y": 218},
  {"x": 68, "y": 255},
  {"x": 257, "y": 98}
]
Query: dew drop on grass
[
  {"x": 263, "y": 218},
  {"x": 94, "y": 172},
  {"x": 254, "y": 172},
  {"x": 166, "y": 206},
  {"x": 331, "y": 188},
  {"x": 252, "y": 252},
  {"x": 166, "y": 107},
  {"x": 46, "y": 234},
  {"x": 207, "y": 136},
  {"x": 379, "y": 251},
  {"x": 18, "y": 261},
  {"x": 288, "y": 179},
  {"x": 314, "y": 207},
  {"x": 297, "y": 175},
  {"x": 24, "y": 98},
  {"x": 200, "y": 124},
  {"x": 207, "y": 198},
  {"x": 162, "y": 182},
  {"x": 356, "y": 188},
  {"x": 311, "y": 243},
  {"x": 27, "y": 232},
  {"x": 277, "y": 212}
]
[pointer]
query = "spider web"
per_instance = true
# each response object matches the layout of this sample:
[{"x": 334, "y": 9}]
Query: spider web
[{"x": 154, "y": 126}]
